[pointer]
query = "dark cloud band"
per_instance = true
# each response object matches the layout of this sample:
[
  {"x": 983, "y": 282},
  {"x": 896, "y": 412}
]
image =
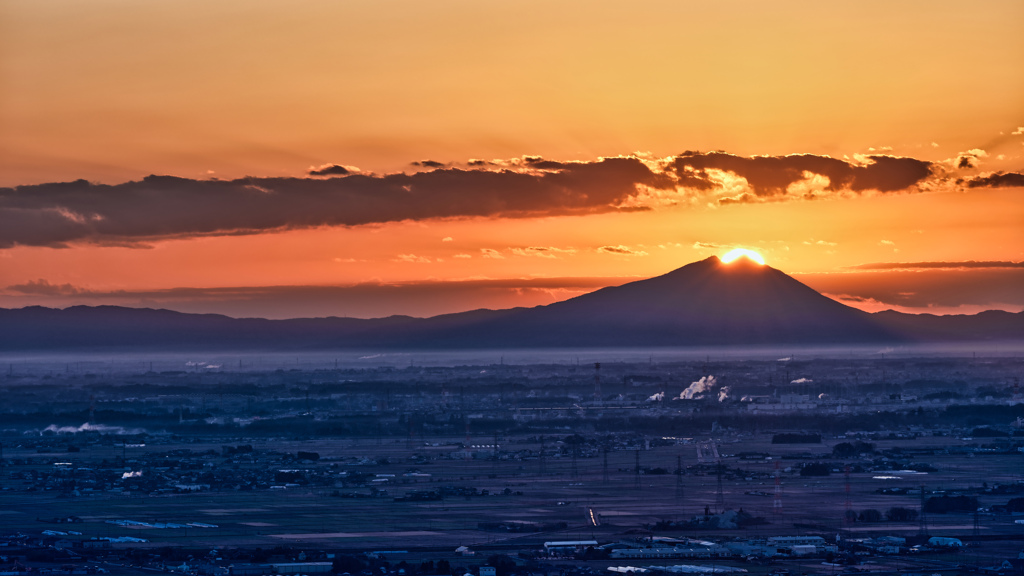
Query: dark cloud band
[
  {"x": 772, "y": 175},
  {"x": 158, "y": 207},
  {"x": 996, "y": 180},
  {"x": 166, "y": 207}
]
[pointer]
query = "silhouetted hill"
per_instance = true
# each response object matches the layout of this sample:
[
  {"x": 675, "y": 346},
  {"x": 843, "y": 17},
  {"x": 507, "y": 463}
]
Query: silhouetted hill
[
  {"x": 703, "y": 303},
  {"x": 988, "y": 325},
  {"x": 706, "y": 302}
]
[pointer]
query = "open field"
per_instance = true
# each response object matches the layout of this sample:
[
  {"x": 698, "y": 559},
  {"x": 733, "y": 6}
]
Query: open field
[
  {"x": 551, "y": 492},
  {"x": 415, "y": 462}
]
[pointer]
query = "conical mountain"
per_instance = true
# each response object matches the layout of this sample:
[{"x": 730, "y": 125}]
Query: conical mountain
[{"x": 703, "y": 303}]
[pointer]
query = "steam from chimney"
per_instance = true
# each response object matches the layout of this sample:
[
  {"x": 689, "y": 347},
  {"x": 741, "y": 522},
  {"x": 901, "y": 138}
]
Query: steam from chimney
[
  {"x": 802, "y": 381},
  {"x": 699, "y": 388},
  {"x": 660, "y": 396},
  {"x": 723, "y": 393},
  {"x": 87, "y": 427}
]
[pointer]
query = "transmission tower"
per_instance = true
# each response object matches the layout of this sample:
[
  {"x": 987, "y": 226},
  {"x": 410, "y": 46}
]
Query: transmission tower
[
  {"x": 497, "y": 457},
  {"x": 412, "y": 431},
  {"x": 923, "y": 521},
  {"x": 575, "y": 453},
  {"x": 604, "y": 469},
  {"x": 543, "y": 462},
  {"x": 679, "y": 478},
  {"x": 849, "y": 503},
  {"x": 720, "y": 495},
  {"x": 636, "y": 468},
  {"x": 777, "y": 502}
]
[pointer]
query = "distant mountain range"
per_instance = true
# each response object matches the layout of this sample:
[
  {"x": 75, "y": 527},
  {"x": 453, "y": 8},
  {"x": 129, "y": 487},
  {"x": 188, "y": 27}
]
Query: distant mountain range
[{"x": 701, "y": 304}]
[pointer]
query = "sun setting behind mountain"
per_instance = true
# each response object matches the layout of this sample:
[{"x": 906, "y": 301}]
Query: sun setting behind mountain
[
  {"x": 507, "y": 288},
  {"x": 282, "y": 161},
  {"x": 743, "y": 253}
]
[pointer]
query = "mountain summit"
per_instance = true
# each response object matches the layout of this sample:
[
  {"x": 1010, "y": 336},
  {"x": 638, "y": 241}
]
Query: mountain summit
[{"x": 704, "y": 303}]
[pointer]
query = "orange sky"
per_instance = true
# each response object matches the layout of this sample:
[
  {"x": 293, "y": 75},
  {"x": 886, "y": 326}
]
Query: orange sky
[{"x": 113, "y": 91}]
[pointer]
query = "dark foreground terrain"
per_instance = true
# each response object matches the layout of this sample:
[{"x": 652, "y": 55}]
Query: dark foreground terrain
[{"x": 883, "y": 464}]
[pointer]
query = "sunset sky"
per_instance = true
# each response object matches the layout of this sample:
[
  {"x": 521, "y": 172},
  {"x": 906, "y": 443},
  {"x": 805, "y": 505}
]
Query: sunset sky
[{"x": 349, "y": 158}]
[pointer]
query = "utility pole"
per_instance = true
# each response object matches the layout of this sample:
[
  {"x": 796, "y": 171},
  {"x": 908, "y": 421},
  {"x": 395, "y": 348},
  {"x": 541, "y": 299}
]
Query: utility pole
[
  {"x": 777, "y": 502},
  {"x": 575, "y": 453},
  {"x": 849, "y": 503},
  {"x": 923, "y": 521},
  {"x": 636, "y": 468},
  {"x": 720, "y": 496},
  {"x": 543, "y": 462},
  {"x": 679, "y": 478}
]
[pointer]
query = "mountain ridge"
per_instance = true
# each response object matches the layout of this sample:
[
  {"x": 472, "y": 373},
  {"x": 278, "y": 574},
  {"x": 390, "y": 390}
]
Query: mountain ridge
[{"x": 702, "y": 303}]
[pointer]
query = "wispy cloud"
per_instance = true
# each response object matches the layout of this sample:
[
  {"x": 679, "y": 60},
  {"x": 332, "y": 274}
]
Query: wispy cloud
[
  {"x": 412, "y": 258},
  {"x": 429, "y": 164},
  {"x": 331, "y": 170},
  {"x": 708, "y": 246},
  {"x": 543, "y": 251},
  {"x": 969, "y": 159},
  {"x": 366, "y": 300},
  {"x": 935, "y": 287},
  {"x": 43, "y": 287},
  {"x": 621, "y": 250},
  {"x": 936, "y": 265}
]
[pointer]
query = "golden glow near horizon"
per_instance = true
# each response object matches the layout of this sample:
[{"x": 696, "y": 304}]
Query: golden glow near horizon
[
  {"x": 742, "y": 253},
  {"x": 907, "y": 118},
  {"x": 117, "y": 90}
]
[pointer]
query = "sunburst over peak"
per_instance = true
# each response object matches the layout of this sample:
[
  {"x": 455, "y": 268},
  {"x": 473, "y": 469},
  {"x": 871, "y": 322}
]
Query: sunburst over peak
[{"x": 742, "y": 253}]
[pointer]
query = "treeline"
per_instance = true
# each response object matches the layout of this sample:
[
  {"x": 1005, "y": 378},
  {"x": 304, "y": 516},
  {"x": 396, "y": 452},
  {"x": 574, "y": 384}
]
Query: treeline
[
  {"x": 895, "y": 514},
  {"x": 791, "y": 438},
  {"x": 946, "y": 504}
]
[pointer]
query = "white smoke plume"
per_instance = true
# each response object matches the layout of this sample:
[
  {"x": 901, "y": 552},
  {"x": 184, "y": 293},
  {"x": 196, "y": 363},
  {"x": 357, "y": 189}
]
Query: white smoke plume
[
  {"x": 87, "y": 427},
  {"x": 723, "y": 393},
  {"x": 802, "y": 381},
  {"x": 699, "y": 388},
  {"x": 131, "y": 475},
  {"x": 657, "y": 397}
]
